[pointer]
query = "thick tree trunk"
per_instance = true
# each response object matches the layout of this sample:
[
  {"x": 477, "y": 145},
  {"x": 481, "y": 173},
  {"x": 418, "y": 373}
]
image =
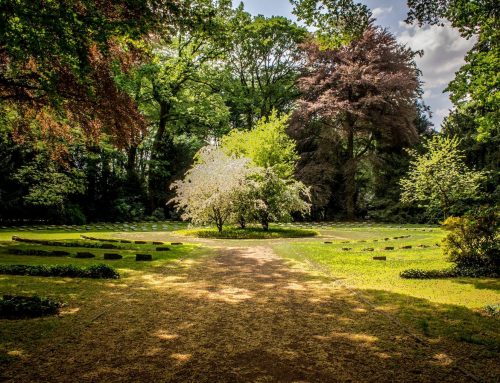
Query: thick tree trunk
[
  {"x": 153, "y": 182},
  {"x": 350, "y": 178}
]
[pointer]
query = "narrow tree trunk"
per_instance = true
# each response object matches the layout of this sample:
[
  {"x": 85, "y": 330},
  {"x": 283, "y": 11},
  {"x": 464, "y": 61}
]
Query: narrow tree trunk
[
  {"x": 155, "y": 151},
  {"x": 131, "y": 161},
  {"x": 242, "y": 222},
  {"x": 350, "y": 178},
  {"x": 265, "y": 224}
]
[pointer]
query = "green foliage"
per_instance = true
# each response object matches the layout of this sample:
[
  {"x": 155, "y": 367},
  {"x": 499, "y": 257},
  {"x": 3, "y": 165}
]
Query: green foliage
[
  {"x": 275, "y": 198},
  {"x": 454, "y": 272},
  {"x": 261, "y": 67},
  {"x": 249, "y": 233},
  {"x": 473, "y": 240},
  {"x": 492, "y": 310},
  {"x": 475, "y": 89},
  {"x": 336, "y": 22},
  {"x": 267, "y": 145},
  {"x": 428, "y": 274},
  {"x": 19, "y": 307},
  {"x": 99, "y": 271},
  {"x": 439, "y": 178},
  {"x": 48, "y": 185}
]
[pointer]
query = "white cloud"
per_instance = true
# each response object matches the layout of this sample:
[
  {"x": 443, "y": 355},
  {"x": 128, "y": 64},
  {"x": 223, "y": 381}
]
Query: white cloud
[
  {"x": 444, "y": 51},
  {"x": 376, "y": 12}
]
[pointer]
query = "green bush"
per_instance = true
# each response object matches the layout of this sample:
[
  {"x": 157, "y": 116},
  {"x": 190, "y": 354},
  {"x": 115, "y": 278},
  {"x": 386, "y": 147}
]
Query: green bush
[
  {"x": 99, "y": 271},
  {"x": 469, "y": 272},
  {"x": 492, "y": 310},
  {"x": 473, "y": 240},
  {"x": 249, "y": 233},
  {"x": 17, "y": 307}
]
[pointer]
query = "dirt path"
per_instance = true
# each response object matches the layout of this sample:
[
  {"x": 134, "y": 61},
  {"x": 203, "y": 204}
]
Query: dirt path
[{"x": 241, "y": 316}]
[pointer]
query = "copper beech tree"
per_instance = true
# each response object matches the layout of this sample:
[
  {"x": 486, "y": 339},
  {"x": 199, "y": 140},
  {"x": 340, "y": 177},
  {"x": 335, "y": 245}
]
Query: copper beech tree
[{"x": 354, "y": 99}]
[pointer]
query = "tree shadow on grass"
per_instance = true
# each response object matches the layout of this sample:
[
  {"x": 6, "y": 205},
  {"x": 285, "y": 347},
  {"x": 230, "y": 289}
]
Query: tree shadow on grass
[
  {"x": 247, "y": 316},
  {"x": 481, "y": 284}
]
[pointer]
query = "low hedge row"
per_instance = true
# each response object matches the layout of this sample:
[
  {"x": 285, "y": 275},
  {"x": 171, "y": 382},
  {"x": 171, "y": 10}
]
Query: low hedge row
[
  {"x": 99, "y": 271},
  {"x": 66, "y": 244},
  {"x": 18, "y": 307},
  {"x": 447, "y": 273}
]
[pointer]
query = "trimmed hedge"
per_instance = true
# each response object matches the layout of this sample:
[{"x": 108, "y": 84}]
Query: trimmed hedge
[
  {"x": 67, "y": 244},
  {"x": 18, "y": 307},
  {"x": 447, "y": 273},
  {"x": 99, "y": 271}
]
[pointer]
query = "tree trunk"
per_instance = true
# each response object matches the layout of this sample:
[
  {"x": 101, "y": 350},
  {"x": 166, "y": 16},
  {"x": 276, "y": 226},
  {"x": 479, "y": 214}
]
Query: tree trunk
[
  {"x": 265, "y": 224},
  {"x": 131, "y": 161},
  {"x": 350, "y": 177},
  {"x": 242, "y": 222},
  {"x": 152, "y": 175}
]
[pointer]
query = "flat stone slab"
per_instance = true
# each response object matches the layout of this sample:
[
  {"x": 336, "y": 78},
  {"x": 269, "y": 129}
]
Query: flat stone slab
[
  {"x": 143, "y": 257},
  {"x": 84, "y": 255},
  {"x": 112, "y": 256}
]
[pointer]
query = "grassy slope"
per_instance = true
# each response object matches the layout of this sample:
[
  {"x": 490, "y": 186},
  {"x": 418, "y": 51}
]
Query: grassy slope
[{"x": 356, "y": 268}]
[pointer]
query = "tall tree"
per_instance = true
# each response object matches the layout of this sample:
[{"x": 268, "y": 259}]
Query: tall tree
[
  {"x": 355, "y": 98},
  {"x": 261, "y": 66},
  {"x": 335, "y": 22},
  {"x": 56, "y": 60}
]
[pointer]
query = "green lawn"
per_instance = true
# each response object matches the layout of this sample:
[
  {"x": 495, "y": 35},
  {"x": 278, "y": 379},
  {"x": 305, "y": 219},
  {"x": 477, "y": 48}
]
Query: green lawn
[{"x": 356, "y": 268}]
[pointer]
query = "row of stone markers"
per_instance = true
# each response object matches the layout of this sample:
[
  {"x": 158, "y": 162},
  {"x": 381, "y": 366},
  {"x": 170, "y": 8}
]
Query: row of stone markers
[{"x": 120, "y": 227}]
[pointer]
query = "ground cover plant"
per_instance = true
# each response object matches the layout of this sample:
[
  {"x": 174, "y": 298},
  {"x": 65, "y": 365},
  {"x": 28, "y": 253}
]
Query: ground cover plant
[
  {"x": 249, "y": 233},
  {"x": 19, "y": 307}
]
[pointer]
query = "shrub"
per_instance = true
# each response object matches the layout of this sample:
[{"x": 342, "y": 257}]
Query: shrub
[
  {"x": 249, "y": 233},
  {"x": 492, "y": 310},
  {"x": 427, "y": 274},
  {"x": 100, "y": 271},
  {"x": 472, "y": 241},
  {"x": 470, "y": 272},
  {"x": 16, "y": 307}
]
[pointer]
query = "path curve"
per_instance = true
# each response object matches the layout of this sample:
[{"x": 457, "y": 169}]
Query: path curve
[{"x": 243, "y": 315}]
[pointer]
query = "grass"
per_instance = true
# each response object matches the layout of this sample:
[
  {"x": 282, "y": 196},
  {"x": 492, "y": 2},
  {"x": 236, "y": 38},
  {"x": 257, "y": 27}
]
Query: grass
[
  {"x": 249, "y": 233},
  {"x": 356, "y": 268},
  {"x": 166, "y": 310}
]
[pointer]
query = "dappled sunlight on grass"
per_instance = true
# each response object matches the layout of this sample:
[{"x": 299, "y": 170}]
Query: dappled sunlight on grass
[{"x": 246, "y": 315}]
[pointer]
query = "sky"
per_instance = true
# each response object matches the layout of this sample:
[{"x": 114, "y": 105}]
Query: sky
[{"x": 444, "y": 49}]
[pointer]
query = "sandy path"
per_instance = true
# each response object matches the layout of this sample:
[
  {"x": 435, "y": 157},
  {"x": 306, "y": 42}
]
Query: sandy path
[{"x": 241, "y": 316}]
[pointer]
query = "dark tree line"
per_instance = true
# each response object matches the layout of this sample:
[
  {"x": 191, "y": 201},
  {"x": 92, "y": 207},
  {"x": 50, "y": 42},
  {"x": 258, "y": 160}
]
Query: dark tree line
[{"x": 104, "y": 104}]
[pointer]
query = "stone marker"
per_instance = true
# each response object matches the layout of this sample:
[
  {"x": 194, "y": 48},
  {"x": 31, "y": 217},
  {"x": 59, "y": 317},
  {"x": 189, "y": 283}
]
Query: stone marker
[
  {"x": 368, "y": 249},
  {"x": 108, "y": 246},
  {"x": 176, "y": 243},
  {"x": 328, "y": 242},
  {"x": 389, "y": 248},
  {"x": 143, "y": 257},
  {"x": 140, "y": 242},
  {"x": 157, "y": 243},
  {"x": 406, "y": 247},
  {"x": 346, "y": 248},
  {"x": 84, "y": 255},
  {"x": 125, "y": 241},
  {"x": 112, "y": 256},
  {"x": 380, "y": 258},
  {"x": 162, "y": 249}
]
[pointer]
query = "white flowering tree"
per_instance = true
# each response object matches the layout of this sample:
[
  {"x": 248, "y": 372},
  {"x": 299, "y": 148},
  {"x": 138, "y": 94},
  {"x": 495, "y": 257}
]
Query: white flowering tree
[{"x": 209, "y": 189}]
